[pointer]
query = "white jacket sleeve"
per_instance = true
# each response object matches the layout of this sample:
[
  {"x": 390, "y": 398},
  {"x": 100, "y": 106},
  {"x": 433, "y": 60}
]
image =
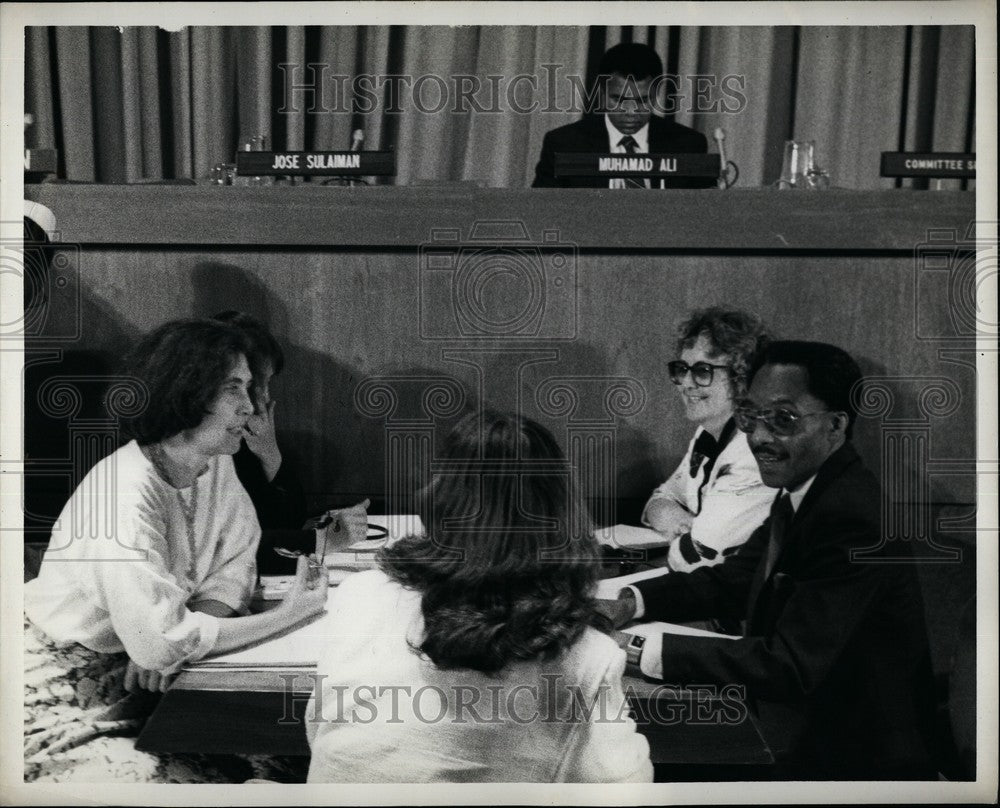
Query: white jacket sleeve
[{"x": 607, "y": 746}]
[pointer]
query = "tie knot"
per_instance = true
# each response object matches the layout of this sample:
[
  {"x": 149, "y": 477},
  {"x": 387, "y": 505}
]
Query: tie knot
[
  {"x": 628, "y": 143},
  {"x": 705, "y": 447},
  {"x": 783, "y": 507}
]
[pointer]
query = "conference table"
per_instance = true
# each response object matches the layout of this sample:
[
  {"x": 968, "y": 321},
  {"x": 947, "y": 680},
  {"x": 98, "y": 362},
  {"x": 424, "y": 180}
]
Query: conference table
[{"x": 253, "y": 703}]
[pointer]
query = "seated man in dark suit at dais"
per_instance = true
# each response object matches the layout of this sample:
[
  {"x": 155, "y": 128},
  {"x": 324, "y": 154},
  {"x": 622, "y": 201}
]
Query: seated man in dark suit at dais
[
  {"x": 834, "y": 654},
  {"x": 625, "y": 125}
]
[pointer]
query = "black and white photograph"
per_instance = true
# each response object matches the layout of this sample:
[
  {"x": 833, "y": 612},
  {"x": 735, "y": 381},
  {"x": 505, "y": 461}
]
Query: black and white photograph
[{"x": 437, "y": 403}]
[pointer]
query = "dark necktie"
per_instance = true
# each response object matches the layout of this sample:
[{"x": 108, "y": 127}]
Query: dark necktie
[
  {"x": 781, "y": 519},
  {"x": 631, "y": 147},
  {"x": 706, "y": 450},
  {"x": 705, "y": 446}
]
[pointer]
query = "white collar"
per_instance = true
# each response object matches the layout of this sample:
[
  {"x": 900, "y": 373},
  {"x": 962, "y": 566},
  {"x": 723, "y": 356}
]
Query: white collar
[
  {"x": 796, "y": 496},
  {"x": 614, "y": 136}
]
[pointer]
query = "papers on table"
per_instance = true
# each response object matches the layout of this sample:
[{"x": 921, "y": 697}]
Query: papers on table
[
  {"x": 608, "y": 588},
  {"x": 630, "y": 537},
  {"x": 646, "y": 629},
  {"x": 367, "y": 545},
  {"x": 398, "y": 525},
  {"x": 274, "y": 587},
  {"x": 301, "y": 646},
  {"x": 354, "y": 558},
  {"x": 297, "y": 648}
]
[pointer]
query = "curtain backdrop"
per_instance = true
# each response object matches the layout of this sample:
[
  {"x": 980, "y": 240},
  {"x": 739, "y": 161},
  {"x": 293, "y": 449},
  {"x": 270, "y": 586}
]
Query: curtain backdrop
[{"x": 124, "y": 105}]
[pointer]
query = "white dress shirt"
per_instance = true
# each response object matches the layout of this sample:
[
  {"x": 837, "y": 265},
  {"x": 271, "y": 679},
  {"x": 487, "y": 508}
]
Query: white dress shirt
[
  {"x": 614, "y": 139},
  {"x": 120, "y": 568}
]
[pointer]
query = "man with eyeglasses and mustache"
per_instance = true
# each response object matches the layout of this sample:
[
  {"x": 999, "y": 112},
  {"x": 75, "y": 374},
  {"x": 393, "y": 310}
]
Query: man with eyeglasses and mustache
[{"x": 834, "y": 654}]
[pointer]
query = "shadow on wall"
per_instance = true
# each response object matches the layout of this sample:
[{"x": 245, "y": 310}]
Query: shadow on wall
[
  {"x": 338, "y": 450},
  {"x": 72, "y": 353},
  {"x": 305, "y": 391},
  {"x": 353, "y": 432},
  {"x": 590, "y": 410}
]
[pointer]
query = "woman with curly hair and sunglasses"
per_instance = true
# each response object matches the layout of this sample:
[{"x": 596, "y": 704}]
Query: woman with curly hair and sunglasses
[
  {"x": 476, "y": 652},
  {"x": 711, "y": 504},
  {"x": 150, "y": 567}
]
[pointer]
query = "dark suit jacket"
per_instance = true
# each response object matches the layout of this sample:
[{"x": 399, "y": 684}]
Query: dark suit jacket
[
  {"x": 834, "y": 656},
  {"x": 589, "y": 135},
  {"x": 281, "y": 509}
]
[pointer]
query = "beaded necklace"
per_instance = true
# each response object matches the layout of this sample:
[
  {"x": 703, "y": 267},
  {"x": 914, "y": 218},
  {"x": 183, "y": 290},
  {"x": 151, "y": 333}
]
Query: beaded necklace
[{"x": 159, "y": 459}]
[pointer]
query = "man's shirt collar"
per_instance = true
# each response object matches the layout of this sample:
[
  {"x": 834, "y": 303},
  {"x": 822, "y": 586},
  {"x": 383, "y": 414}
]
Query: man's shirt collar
[
  {"x": 614, "y": 137},
  {"x": 799, "y": 493}
]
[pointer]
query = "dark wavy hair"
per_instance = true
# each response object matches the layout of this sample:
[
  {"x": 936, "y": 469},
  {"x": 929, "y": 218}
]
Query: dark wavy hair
[
  {"x": 264, "y": 348},
  {"x": 831, "y": 372},
  {"x": 508, "y": 566},
  {"x": 182, "y": 365},
  {"x": 732, "y": 332}
]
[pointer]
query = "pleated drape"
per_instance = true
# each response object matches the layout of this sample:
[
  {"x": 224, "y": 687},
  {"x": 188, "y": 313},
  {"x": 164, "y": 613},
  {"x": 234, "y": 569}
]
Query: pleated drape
[{"x": 132, "y": 104}]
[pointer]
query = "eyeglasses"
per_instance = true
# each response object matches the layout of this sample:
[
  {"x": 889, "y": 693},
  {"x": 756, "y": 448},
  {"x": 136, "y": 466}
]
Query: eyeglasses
[
  {"x": 702, "y": 373},
  {"x": 779, "y": 422}
]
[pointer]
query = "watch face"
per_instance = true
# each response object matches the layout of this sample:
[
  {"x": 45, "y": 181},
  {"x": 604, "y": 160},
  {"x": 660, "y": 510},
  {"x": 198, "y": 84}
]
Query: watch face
[{"x": 636, "y": 642}]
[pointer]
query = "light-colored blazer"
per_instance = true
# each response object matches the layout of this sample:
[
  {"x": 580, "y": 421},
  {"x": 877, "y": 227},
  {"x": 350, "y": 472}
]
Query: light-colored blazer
[
  {"x": 381, "y": 713},
  {"x": 734, "y": 501}
]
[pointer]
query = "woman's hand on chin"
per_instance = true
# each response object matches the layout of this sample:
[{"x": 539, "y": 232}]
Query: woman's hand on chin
[
  {"x": 138, "y": 679},
  {"x": 261, "y": 439}
]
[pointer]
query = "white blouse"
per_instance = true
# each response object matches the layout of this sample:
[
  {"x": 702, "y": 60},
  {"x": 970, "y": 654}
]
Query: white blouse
[
  {"x": 121, "y": 569},
  {"x": 381, "y": 712}
]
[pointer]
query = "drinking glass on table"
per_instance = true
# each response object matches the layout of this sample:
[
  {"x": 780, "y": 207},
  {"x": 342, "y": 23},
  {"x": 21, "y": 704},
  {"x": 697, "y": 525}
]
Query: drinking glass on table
[{"x": 799, "y": 168}]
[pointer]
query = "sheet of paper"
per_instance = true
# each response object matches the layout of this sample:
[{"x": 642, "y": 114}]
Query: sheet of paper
[
  {"x": 367, "y": 545},
  {"x": 353, "y": 558},
  {"x": 645, "y": 629},
  {"x": 609, "y": 587},
  {"x": 630, "y": 536},
  {"x": 398, "y": 525},
  {"x": 299, "y": 647}
]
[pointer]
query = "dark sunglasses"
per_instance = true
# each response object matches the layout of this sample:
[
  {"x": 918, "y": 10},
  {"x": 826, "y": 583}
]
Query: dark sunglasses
[
  {"x": 702, "y": 373},
  {"x": 779, "y": 422}
]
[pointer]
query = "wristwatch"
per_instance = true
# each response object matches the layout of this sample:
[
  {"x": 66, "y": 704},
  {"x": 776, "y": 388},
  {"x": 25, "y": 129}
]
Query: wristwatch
[{"x": 633, "y": 649}]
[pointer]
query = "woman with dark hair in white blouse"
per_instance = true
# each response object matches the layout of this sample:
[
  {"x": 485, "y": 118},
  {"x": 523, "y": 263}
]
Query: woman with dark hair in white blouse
[{"x": 150, "y": 567}]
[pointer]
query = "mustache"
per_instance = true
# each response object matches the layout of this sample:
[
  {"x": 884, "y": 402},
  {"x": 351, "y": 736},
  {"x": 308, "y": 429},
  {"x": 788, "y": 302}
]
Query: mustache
[{"x": 767, "y": 453}]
